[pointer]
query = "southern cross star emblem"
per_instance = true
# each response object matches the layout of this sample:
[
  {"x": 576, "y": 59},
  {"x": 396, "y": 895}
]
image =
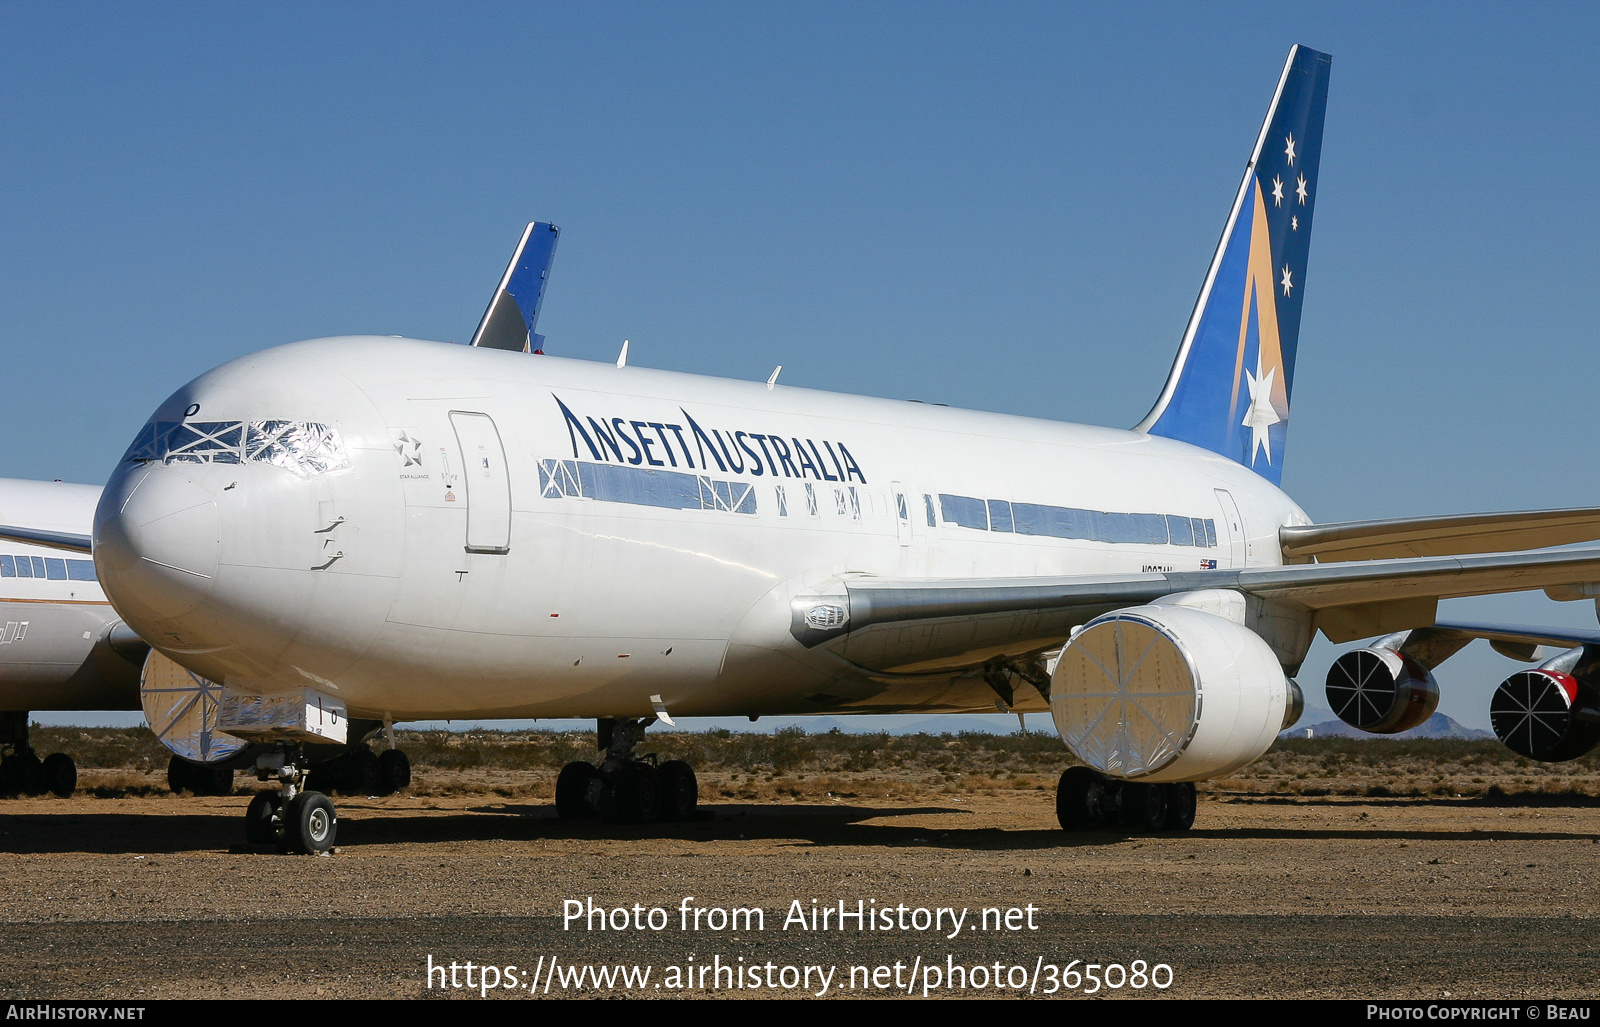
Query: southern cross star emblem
[
  {"x": 409, "y": 449},
  {"x": 1289, "y": 149},
  {"x": 1287, "y": 281},
  {"x": 1294, "y": 222},
  {"x": 1261, "y": 415},
  {"x": 1277, "y": 191},
  {"x": 1300, "y": 190}
]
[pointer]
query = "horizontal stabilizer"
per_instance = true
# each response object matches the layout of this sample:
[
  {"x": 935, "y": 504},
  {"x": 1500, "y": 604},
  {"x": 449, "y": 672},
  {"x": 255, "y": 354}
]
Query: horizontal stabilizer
[
  {"x": 1439, "y": 536},
  {"x": 72, "y": 543},
  {"x": 513, "y": 314}
]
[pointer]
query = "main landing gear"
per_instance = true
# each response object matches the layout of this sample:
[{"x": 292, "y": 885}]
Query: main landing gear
[
  {"x": 198, "y": 778},
  {"x": 625, "y": 788},
  {"x": 1087, "y": 799},
  {"x": 22, "y": 772},
  {"x": 291, "y": 818},
  {"x": 361, "y": 771}
]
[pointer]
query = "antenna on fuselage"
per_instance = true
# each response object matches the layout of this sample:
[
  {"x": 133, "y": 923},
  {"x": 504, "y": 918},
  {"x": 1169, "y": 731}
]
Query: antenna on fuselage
[
  {"x": 774, "y": 379},
  {"x": 622, "y": 358}
]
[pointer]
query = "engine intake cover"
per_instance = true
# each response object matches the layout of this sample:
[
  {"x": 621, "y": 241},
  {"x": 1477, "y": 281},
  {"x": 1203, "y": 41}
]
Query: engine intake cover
[
  {"x": 1167, "y": 693},
  {"x": 1381, "y": 690},
  {"x": 1546, "y": 715}
]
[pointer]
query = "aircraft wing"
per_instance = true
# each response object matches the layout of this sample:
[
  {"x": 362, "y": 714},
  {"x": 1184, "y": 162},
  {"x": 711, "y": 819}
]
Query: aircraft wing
[
  {"x": 1518, "y": 635},
  {"x": 916, "y": 625},
  {"x": 1439, "y": 536},
  {"x": 69, "y": 541}
]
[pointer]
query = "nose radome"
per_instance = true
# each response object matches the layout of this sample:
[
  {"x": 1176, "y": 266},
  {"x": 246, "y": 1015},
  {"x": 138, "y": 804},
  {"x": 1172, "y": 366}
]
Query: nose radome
[{"x": 156, "y": 553}]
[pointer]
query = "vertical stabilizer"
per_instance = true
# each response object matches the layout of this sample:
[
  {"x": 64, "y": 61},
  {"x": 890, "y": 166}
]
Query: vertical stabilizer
[
  {"x": 514, "y": 311},
  {"x": 1230, "y": 385}
]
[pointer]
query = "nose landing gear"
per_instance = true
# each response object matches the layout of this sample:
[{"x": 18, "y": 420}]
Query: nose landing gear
[
  {"x": 625, "y": 788},
  {"x": 293, "y": 819}
]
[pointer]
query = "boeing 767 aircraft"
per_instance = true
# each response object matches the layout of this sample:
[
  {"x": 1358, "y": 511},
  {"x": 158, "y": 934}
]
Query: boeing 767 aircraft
[{"x": 342, "y": 533}]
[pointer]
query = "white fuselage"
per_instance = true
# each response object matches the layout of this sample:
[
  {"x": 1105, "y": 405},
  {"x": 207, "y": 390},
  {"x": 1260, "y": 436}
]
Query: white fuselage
[
  {"x": 55, "y": 620},
  {"x": 485, "y": 533}
]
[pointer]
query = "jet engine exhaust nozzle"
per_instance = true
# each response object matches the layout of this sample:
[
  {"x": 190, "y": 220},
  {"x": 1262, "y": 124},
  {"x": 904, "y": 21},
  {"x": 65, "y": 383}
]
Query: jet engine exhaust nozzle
[
  {"x": 1546, "y": 715},
  {"x": 1381, "y": 691}
]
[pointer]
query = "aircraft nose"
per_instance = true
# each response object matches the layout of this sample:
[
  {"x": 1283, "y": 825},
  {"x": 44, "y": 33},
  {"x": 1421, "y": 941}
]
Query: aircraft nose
[{"x": 156, "y": 542}]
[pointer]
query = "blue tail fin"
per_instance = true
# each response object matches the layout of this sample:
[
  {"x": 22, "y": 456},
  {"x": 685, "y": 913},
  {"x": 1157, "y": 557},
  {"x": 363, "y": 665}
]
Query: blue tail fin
[
  {"x": 514, "y": 311},
  {"x": 1230, "y": 385}
]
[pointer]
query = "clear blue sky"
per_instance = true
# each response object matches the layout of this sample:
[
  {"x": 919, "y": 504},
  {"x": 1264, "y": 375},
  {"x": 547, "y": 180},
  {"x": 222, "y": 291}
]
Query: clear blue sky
[{"x": 1003, "y": 206}]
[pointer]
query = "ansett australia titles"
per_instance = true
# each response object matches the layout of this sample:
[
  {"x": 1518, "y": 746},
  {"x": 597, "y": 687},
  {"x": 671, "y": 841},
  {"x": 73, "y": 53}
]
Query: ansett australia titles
[{"x": 842, "y": 915}]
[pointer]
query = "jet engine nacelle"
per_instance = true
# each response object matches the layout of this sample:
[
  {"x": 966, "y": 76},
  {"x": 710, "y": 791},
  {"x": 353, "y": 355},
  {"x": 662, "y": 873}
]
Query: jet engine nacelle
[
  {"x": 1381, "y": 691},
  {"x": 1167, "y": 693},
  {"x": 1548, "y": 714}
]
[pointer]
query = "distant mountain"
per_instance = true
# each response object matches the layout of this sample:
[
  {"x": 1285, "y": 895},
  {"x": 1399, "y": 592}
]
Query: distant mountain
[{"x": 1436, "y": 726}]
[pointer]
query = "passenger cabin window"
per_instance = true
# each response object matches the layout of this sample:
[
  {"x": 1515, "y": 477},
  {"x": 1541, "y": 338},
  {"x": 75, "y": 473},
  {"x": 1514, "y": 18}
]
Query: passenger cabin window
[
  {"x": 783, "y": 503},
  {"x": 49, "y": 567}
]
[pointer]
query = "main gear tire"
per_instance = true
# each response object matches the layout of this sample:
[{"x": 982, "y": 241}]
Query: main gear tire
[
  {"x": 394, "y": 771},
  {"x": 59, "y": 774},
  {"x": 572, "y": 791},
  {"x": 634, "y": 795},
  {"x": 680, "y": 792},
  {"x": 1144, "y": 806},
  {"x": 361, "y": 773},
  {"x": 1074, "y": 809},
  {"x": 1181, "y": 805}
]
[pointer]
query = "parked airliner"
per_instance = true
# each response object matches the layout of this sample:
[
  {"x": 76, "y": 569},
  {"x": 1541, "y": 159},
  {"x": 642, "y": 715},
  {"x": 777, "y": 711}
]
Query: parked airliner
[
  {"x": 341, "y": 533},
  {"x": 62, "y": 646}
]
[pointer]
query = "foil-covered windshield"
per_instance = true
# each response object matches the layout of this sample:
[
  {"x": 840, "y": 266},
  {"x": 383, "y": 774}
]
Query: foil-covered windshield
[{"x": 302, "y": 447}]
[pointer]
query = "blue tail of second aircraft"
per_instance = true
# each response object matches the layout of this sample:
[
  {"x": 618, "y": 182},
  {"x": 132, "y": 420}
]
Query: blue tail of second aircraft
[
  {"x": 513, "y": 312},
  {"x": 1229, "y": 387}
]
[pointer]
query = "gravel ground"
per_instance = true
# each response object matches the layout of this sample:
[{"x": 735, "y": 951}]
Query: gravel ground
[{"x": 1269, "y": 896}]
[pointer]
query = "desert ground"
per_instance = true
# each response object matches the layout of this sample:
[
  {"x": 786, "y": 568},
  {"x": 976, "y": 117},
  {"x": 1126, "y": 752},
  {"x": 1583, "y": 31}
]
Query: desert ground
[{"x": 1328, "y": 869}]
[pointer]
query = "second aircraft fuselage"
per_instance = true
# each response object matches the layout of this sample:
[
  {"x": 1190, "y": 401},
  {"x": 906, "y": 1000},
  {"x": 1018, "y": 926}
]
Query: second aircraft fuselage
[{"x": 428, "y": 530}]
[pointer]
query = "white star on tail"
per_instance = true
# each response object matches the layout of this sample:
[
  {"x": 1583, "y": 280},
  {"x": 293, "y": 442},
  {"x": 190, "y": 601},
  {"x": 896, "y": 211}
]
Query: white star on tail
[
  {"x": 1288, "y": 280},
  {"x": 1261, "y": 414},
  {"x": 1300, "y": 189},
  {"x": 1290, "y": 149},
  {"x": 1277, "y": 191}
]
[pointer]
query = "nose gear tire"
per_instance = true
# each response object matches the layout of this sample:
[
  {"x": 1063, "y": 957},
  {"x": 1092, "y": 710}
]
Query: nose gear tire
[{"x": 309, "y": 824}]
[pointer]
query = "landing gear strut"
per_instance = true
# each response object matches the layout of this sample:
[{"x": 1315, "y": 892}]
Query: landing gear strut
[
  {"x": 625, "y": 788},
  {"x": 293, "y": 819},
  {"x": 21, "y": 769},
  {"x": 1086, "y": 799}
]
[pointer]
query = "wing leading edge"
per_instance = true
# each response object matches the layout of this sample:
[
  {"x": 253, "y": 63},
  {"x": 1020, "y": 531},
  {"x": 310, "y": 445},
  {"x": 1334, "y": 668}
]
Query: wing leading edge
[{"x": 926, "y": 624}]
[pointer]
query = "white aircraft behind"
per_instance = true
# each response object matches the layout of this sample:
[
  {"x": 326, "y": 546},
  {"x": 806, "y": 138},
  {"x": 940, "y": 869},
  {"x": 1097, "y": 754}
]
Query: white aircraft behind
[
  {"x": 62, "y": 646},
  {"x": 379, "y": 529}
]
